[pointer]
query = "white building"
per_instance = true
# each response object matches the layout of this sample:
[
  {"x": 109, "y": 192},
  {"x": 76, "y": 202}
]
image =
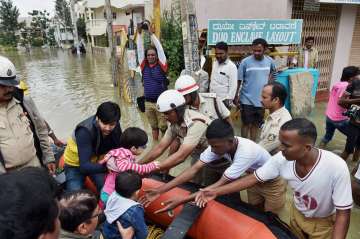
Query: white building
[{"x": 122, "y": 12}]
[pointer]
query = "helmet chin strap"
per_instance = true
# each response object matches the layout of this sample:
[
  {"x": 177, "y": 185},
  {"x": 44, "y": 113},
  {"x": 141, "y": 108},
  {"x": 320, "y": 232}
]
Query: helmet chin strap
[{"x": 180, "y": 112}]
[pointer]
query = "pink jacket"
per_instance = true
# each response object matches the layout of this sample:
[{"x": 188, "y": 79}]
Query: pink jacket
[{"x": 121, "y": 160}]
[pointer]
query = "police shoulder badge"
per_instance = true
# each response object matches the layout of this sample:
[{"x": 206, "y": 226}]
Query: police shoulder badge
[
  {"x": 271, "y": 137},
  {"x": 9, "y": 72}
]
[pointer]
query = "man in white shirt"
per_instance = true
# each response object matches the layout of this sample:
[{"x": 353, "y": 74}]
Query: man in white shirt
[
  {"x": 244, "y": 155},
  {"x": 223, "y": 80},
  {"x": 309, "y": 55},
  {"x": 322, "y": 199},
  {"x": 273, "y": 98}
]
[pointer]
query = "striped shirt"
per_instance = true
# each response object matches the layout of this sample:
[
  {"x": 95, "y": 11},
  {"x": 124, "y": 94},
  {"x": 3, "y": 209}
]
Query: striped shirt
[
  {"x": 254, "y": 74},
  {"x": 154, "y": 76},
  {"x": 121, "y": 160}
]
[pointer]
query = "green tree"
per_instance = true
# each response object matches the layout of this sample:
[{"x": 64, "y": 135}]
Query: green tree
[
  {"x": 81, "y": 26},
  {"x": 171, "y": 40},
  {"x": 51, "y": 37},
  {"x": 62, "y": 11},
  {"x": 39, "y": 26},
  {"x": 9, "y": 23}
]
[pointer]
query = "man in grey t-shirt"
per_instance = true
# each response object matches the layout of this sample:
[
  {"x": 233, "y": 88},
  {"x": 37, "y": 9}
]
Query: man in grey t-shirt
[{"x": 254, "y": 72}]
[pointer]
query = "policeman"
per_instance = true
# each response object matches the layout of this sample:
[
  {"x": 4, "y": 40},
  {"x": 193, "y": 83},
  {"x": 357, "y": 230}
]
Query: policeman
[
  {"x": 214, "y": 108},
  {"x": 23, "y": 132},
  {"x": 186, "y": 125},
  {"x": 206, "y": 103}
]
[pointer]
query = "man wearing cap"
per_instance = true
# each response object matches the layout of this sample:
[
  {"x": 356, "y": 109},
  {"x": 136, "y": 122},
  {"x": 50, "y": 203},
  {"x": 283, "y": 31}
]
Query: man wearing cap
[
  {"x": 23, "y": 132},
  {"x": 186, "y": 125},
  {"x": 206, "y": 103}
]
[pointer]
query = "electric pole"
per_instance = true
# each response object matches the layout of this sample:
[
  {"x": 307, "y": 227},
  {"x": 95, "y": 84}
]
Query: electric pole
[
  {"x": 190, "y": 36},
  {"x": 112, "y": 46},
  {"x": 74, "y": 21}
]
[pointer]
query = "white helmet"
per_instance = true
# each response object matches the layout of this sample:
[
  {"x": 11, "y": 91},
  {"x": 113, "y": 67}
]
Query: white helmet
[
  {"x": 169, "y": 100},
  {"x": 7, "y": 72},
  {"x": 185, "y": 84}
]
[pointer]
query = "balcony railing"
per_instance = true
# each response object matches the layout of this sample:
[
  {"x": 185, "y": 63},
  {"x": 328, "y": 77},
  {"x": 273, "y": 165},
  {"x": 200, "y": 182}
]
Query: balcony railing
[{"x": 96, "y": 26}]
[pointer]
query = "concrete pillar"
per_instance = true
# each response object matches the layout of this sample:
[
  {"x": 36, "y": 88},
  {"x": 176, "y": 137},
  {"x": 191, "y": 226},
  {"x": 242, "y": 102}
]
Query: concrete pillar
[
  {"x": 92, "y": 41},
  {"x": 344, "y": 36},
  {"x": 156, "y": 17},
  {"x": 190, "y": 36},
  {"x": 148, "y": 9}
]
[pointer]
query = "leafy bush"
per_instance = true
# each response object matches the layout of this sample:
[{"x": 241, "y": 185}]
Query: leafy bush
[
  {"x": 37, "y": 41},
  {"x": 171, "y": 40},
  {"x": 102, "y": 41}
]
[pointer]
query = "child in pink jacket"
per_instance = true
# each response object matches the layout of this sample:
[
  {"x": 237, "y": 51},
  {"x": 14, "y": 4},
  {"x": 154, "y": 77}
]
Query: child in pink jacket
[{"x": 133, "y": 141}]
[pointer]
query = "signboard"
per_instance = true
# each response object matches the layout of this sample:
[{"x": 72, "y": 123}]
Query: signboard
[
  {"x": 340, "y": 1},
  {"x": 244, "y": 31}
]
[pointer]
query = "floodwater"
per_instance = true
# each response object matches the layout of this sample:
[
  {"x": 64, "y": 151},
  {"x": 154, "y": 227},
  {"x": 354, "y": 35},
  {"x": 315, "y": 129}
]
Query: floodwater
[{"x": 68, "y": 88}]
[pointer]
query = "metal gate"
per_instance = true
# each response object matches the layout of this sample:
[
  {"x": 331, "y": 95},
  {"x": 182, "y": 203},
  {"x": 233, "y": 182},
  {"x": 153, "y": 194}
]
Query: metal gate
[
  {"x": 355, "y": 46},
  {"x": 321, "y": 24}
]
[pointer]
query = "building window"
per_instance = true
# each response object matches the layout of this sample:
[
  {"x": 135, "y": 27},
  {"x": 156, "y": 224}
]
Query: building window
[{"x": 113, "y": 15}]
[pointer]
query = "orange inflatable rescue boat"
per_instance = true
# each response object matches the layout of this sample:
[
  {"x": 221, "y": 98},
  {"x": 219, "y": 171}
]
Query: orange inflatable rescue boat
[{"x": 226, "y": 217}]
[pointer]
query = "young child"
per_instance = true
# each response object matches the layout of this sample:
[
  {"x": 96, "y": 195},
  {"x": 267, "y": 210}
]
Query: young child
[
  {"x": 122, "y": 207},
  {"x": 133, "y": 141}
]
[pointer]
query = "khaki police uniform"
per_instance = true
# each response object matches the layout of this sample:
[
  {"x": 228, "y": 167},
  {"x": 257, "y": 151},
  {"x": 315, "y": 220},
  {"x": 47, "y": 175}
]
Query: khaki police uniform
[
  {"x": 272, "y": 194},
  {"x": 191, "y": 132},
  {"x": 269, "y": 137},
  {"x": 212, "y": 107},
  {"x": 16, "y": 137},
  {"x": 16, "y": 144},
  {"x": 314, "y": 228}
]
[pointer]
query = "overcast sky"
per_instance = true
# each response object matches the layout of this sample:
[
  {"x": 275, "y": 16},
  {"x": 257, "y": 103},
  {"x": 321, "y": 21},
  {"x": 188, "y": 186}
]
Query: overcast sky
[{"x": 26, "y": 6}]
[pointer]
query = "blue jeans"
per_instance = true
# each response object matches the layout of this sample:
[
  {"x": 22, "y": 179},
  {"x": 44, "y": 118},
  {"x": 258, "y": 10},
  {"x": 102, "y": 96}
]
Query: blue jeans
[
  {"x": 75, "y": 179},
  {"x": 331, "y": 126},
  {"x": 133, "y": 217}
]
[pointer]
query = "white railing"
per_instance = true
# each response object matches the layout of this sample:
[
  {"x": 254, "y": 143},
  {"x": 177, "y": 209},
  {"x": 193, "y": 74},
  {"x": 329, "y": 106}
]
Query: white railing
[
  {"x": 67, "y": 36},
  {"x": 96, "y": 27}
]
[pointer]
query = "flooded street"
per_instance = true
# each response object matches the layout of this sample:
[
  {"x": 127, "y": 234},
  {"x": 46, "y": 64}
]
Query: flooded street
[{"x": 68, "y": 89}]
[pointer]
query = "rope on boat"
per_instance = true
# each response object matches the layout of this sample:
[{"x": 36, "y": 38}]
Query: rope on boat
[{"x": 154, "y": 232}]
